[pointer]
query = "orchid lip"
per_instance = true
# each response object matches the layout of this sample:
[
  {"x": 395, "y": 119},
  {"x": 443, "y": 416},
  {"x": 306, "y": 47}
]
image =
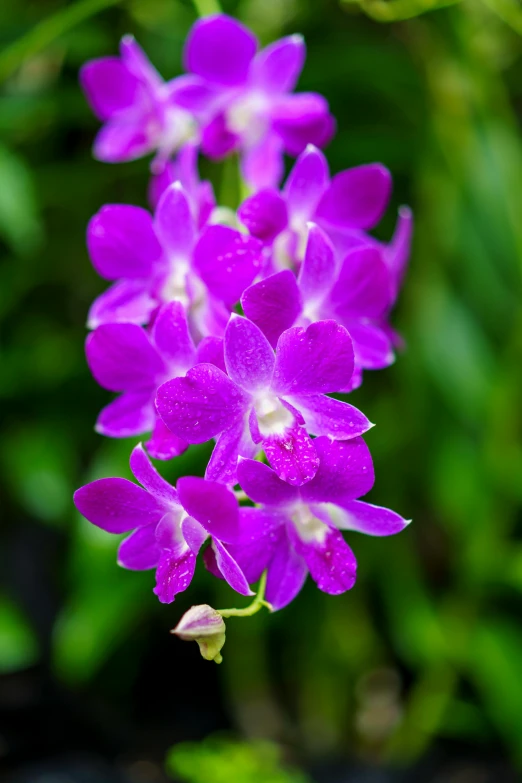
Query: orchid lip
[
  {"x": 308, "y": 526},
  {"x": 272, "y": 416}
]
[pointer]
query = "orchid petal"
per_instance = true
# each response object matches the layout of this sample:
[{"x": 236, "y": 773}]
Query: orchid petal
[
  {"x": 213, "y": 505},
  {"x": 220, "y": 50},
  {"x": 117, "y": 505},
  {"x": 327, "y": 416},
  {"x": 318, "y": 359},
  {"x": 121, "y": 242},
  {"x": 249, "y": 357},
  {"x": 277, "y": 67},
  {"x": 273, "y": 304},
  {"x": 150, "y": 479},
  {"x": 201, "y": 405},
  {"x": 121, "y": 357},
  {"x": 356, "y": 198},
  {"x": 345, "y": 472},
  {"x": 132, "y": 413},
  {"x": 365, "y": 518},
  {"x": 140, "y": 550}
]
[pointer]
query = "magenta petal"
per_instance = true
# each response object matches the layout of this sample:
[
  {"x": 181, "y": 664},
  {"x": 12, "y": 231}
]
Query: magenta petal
[
  {"x": 230, "y": 569},
  {"x": 169, "y": 533},
  {"x": 193, "y": 533},
  {"x": 371, "y": 344},
  {"x": 249, "y": 357},
  {"x": 124, "y": 138},
  {"x": 233, "y": 443},
  {"x": 213, "y": 505},
  {"x": 316, "y": 360},
  {"x": 306, "y": 183},
  {"x": 264, "y": 214},
  {"x": 220, "y": 49},
  {"x": 331, "y": 562},
  {"x": 260, "y": 530},
  {"x": 276, "y": 68},
  {"x": 173, "y": 575},
  {"x": 345, "y": 472},
  {"x": 150, "y": 479},
  {"x": 174, "y": 224},
  {"x": 362, "y": 288},
  {"x": 201, "y": 405},
  {"x": 170, "y": 335},
  {"x": 140, "y": 551},
  {"x": 303, "y": 119},
  {"x": 217, "y": 140},
  {"x": 365, "y": 518},
  {"x": 109, "y": 86},
  {"x": 227, "y": 261},
  {"x": 292, "y": 455},
  {"x": 286, "y": 573},
  {"x": 211, "y": 351},
  {"x": 194, "y": 95},
  {"x": 164, "y": 444},
  {"x": 318, "y": 268},
  {"x": 121, "y": 242},
  {"x": 137, "y": 62},
  {"x": 273, "y": 304},
  {"x": 262, "y": 165},
  {"x": 263, "y": 485},
  {"x": 128, "y": 300},
  {"x": 117, "y": 505},
  {"x": 327, "y": 416},
  {"x": 397, "y": 253},
  {"x": 121, "y": 357},
  {"x": 132, "y": 413},
  {"x": 356, "y": 198}
]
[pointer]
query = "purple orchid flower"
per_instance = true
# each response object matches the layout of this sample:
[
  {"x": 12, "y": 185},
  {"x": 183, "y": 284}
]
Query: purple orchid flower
[
  {"x": 169, "y": 525},
  {"x": 357, "y": 294},
  {"x": 267, "y": 401},
  {"x": 159, "y": 260},
  {"x": 345, "y": 206},
  {"x": 125, "y": 358},
  {"x": 184, "y": 169},
  {"x": 243, "y": 100},
  {"x": 138, "y": 108},
  {"x": 296, "y": 529}
]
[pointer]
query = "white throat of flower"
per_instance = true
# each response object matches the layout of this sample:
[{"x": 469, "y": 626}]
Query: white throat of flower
[
  {"x": 246, "y": 117},
  {"x": 290, "y": 245},
  {"x": 308, "y": 527},
  {"x": 272, "y": 416},
  {"x": 179, "y": 128}
]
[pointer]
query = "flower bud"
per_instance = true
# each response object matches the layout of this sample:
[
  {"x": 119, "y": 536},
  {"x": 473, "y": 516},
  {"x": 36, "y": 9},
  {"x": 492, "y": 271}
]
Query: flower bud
[{"x": 203, "y": 625}]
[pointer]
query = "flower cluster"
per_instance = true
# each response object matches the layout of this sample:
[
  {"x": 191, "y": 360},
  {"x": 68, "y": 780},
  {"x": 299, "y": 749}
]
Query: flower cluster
[{"x": 237, "y": 328}]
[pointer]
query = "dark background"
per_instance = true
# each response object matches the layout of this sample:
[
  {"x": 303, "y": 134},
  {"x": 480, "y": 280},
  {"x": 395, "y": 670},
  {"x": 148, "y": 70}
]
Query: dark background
[{"x": 419, "y": 667}]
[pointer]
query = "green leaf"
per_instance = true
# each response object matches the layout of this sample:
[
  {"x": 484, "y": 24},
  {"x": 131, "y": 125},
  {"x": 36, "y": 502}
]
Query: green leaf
[
  {"x": 223, "y": 760},
  {"x": 495, "y": 656},
  {"x": 20, "y": 223},
  {"x": 18, "y": 645}
]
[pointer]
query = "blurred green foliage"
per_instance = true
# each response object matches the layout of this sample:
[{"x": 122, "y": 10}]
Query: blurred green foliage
[
  {"x": 429, "y": 642},
  {"x": 222, "y": 760}
]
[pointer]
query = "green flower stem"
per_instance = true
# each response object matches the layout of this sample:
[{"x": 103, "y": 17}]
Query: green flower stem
[
  {"x": 207, "y": 7},
  {"x": 254, "y": 607},
  {"x": 47, "y": 31}
]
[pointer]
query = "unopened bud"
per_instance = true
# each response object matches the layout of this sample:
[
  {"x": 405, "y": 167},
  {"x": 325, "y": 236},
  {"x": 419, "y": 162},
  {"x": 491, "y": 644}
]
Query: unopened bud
[{"x": 203, "y": 625}]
